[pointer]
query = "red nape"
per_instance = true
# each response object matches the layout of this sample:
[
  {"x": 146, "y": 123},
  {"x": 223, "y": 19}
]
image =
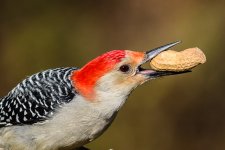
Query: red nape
[{"x": 86, "y": 78}]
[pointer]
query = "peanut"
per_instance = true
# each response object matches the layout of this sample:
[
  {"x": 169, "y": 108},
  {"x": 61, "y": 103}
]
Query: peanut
[{"x": 178, "y": 61}]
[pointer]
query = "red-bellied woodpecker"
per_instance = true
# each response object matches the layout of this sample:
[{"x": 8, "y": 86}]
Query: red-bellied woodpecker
[{"x": 69, "y": 107}]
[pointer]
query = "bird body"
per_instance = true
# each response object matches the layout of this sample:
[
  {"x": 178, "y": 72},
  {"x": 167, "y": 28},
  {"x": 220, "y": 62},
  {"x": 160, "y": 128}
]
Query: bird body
[
  {"x": 75, "y": 126},
  {"x": 65, "y": 108}
]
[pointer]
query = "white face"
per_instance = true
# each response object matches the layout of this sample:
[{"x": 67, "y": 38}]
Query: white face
[{"x": 122, "y": 79}]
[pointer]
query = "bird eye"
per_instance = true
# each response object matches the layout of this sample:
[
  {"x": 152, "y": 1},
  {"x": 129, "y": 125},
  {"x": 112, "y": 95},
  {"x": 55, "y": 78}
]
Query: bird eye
[{"x": 125, "y": 68}]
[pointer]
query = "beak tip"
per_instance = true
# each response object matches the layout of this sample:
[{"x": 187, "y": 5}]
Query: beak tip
[
  {"x": 177, "y": 42},
  {"x": 152, "y": 53}
]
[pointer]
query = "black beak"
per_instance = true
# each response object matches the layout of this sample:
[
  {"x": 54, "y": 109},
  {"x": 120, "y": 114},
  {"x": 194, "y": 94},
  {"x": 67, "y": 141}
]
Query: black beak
[
  {"x": 154, "y": 52},
  {"x": 151, "y": 54}
]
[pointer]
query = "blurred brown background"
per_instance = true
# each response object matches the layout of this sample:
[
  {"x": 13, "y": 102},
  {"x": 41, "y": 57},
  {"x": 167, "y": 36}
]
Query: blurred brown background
[{"x": 184, "y": 112}]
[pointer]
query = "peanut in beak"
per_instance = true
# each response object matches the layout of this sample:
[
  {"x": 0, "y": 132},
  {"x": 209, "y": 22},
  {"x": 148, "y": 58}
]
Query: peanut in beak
[{"x": 171, "y": 60}]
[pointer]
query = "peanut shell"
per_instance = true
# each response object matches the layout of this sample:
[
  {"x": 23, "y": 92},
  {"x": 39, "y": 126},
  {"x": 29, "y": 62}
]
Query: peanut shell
[{"x": 171, "y": 60}]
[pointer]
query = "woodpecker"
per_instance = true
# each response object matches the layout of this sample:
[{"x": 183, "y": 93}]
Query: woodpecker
[{"x": 66, "y": 108}]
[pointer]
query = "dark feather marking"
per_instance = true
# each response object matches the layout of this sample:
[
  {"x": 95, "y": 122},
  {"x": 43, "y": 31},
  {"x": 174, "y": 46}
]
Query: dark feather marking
[{"x": 37, "y": 97}]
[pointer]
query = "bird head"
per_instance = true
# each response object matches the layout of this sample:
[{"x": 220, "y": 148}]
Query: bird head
[{"x": 117, "y": 72}]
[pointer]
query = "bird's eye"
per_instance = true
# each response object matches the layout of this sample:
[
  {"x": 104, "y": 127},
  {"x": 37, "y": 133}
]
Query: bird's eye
[{"x": 125, "y": 68}]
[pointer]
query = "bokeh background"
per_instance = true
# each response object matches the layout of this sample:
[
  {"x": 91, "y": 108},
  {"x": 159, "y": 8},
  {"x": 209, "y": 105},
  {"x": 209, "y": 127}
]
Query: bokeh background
[{"x": 184, "y": 112}]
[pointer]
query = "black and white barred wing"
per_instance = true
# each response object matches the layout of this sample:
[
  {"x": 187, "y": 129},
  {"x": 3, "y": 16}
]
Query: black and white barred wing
[{"x": 37, "y": 97}]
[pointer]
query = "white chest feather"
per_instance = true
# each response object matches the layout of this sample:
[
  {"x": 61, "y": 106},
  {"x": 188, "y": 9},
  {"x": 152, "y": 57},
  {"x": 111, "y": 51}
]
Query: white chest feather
[{"x": 74, "y": 125}]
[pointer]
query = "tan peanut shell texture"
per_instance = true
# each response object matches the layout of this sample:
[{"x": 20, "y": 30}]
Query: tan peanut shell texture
[{"x": 171, "y": 60}]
